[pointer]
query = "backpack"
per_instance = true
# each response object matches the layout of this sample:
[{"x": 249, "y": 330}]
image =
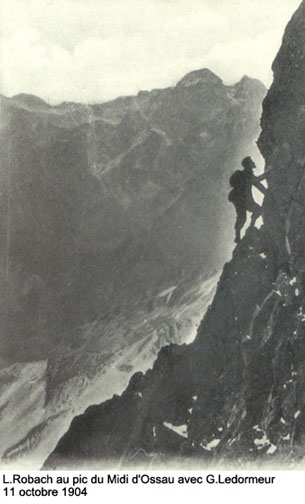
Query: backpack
[{"x": 238, "y": 180}]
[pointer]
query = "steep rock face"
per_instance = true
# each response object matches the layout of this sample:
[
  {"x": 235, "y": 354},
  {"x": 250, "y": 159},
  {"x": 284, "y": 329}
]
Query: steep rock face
[
  {"x": 237, "y": 392},
  {"x": 282, "y": 145}
]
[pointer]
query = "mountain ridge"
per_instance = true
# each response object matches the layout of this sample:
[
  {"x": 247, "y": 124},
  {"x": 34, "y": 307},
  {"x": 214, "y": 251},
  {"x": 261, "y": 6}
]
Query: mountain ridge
[{"x": 203, "y": 75}]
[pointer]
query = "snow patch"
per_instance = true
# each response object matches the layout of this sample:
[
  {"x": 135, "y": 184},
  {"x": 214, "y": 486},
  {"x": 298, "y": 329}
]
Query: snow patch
[
  {"x": 271, "y": 450},
  {"x": 179, "y": 429},
  {"x": 301, "y": 315},
  {"x": 262, "y": 442},
  {"x": 212, "y": 444},
  {"x": 297, "y": 414},
  {"x": 259, "y": 223},
  {"x": 257, "y": 428},
  {"x": 165, "y": 292}
]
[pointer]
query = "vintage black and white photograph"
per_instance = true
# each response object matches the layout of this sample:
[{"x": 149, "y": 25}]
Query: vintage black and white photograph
[{"x": 152, "y": 234}]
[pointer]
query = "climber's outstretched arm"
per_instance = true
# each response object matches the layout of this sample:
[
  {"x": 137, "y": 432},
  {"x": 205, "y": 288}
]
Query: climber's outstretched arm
[
  {"x": 256, "y": 181},
  {"x": 264, "y": 175}
]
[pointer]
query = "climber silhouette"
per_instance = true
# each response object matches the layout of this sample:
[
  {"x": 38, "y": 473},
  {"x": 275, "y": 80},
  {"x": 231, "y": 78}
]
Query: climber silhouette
[{"x": 241, "y": 194}]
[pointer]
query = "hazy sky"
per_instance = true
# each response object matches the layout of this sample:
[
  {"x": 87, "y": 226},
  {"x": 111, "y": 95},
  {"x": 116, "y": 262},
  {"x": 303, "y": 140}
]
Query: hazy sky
[{"x": 95, "y": 50}]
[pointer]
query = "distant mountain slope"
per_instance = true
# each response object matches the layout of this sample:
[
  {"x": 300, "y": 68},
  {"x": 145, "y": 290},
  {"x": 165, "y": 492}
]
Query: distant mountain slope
[{"x": 104, "y": 203}]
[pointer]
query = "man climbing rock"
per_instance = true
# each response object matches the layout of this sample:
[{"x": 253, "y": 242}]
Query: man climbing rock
[{"x": 241, "y": 194}]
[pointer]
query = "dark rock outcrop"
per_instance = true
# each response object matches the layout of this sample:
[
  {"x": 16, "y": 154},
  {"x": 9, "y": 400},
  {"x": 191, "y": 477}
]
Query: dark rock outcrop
[{"x": 237, "y": 392}]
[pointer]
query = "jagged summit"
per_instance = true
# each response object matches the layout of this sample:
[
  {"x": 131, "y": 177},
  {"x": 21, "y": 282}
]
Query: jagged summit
[
  {"x": 203, "y": 76},
  {"x": 197, "y": 77},
  {"x": 247, "y": 81}
]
